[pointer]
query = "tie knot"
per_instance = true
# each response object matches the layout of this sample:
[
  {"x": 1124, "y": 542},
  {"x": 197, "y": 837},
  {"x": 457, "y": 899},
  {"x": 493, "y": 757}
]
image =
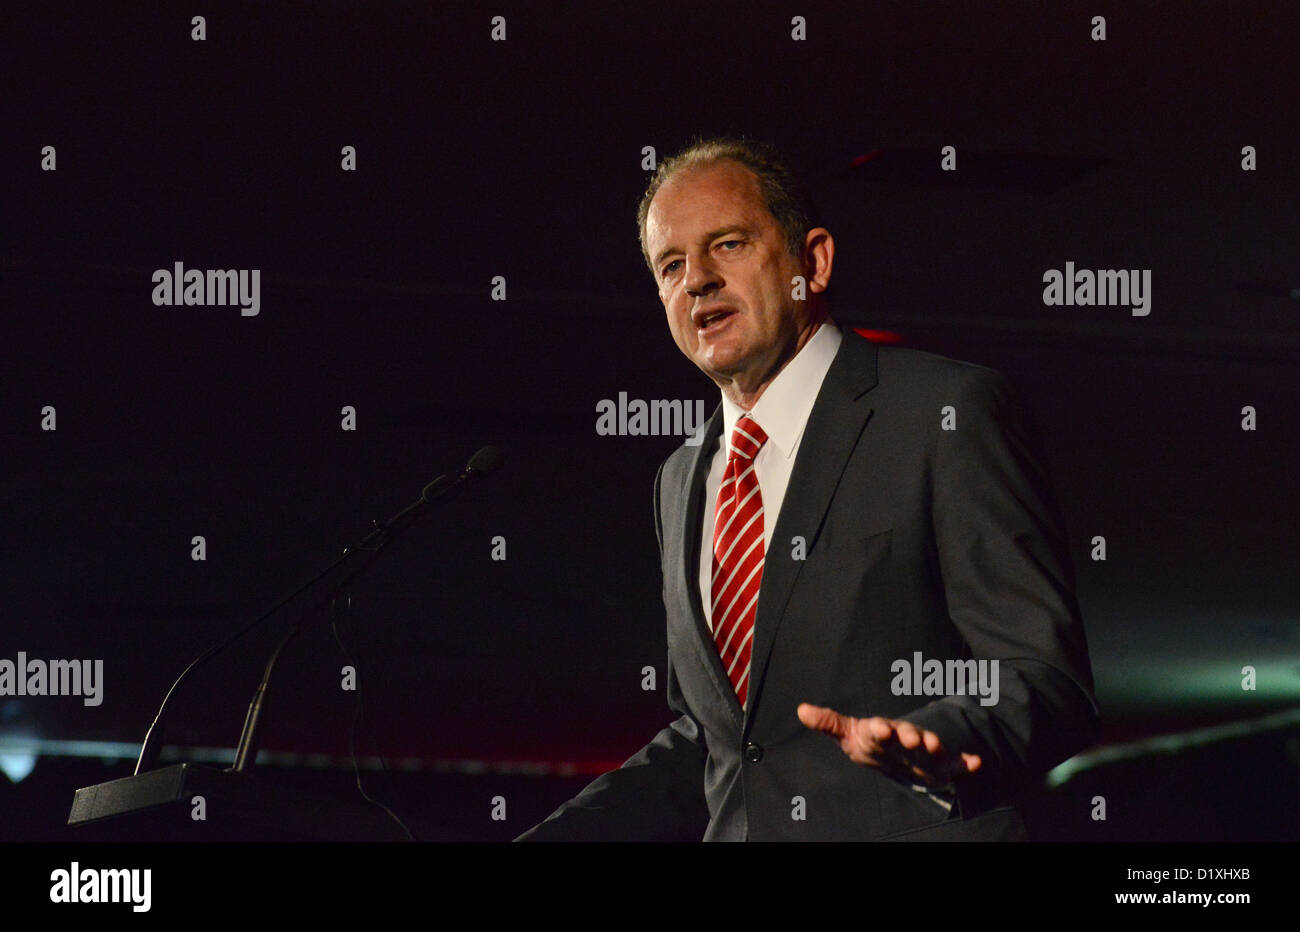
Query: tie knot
[{"x": 747, "y": 438}]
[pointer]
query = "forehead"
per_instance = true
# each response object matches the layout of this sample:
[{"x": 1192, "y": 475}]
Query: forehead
[{"x": 706, "y": 198}]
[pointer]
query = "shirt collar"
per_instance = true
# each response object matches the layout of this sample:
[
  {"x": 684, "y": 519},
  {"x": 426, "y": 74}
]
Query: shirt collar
[{"x": 787, "y": 402}]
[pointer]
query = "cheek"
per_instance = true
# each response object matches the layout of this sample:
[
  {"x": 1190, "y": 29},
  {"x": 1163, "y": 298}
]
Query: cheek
[
  {"x": 775, "y": 299},
  {"x": 676, "y": 323},
  {"x": 675, "y": 308}
]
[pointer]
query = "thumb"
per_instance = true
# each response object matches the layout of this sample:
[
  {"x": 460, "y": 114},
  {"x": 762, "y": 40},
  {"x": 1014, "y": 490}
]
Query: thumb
[{"x": 821, "y": 718}]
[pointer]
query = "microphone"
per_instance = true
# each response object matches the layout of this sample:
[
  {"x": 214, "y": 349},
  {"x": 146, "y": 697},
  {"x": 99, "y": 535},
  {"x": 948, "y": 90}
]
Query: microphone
[
  {"x": 483, "y": 463},
  {"x": 486, "y": 461}
]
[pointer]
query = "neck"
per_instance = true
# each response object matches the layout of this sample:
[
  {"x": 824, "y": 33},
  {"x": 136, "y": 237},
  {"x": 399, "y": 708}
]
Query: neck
[{"x": 745, "y": 392}]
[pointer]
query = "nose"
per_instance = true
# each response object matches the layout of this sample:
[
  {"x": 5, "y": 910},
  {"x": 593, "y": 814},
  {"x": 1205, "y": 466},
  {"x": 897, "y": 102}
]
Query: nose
[{"x": 701, "y": 277}]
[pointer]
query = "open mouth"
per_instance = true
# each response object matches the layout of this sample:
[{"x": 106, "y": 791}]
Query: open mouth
[{"x": 713, "y": 319}]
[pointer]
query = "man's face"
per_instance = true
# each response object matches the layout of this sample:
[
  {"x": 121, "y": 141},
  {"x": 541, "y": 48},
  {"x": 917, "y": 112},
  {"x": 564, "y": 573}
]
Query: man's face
[{"x": 724, "y": 274}]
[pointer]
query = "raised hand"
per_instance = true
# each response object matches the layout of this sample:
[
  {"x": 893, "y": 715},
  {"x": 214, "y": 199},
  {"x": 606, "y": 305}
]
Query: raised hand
[{"x": 898, "y": 747}]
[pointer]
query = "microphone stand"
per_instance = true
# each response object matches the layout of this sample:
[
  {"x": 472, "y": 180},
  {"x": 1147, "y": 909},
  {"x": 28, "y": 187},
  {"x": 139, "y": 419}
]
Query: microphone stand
[
  {"x": 483, "y": 463},
  {"x": 279, "y": 810},
  {"x": 376, "y": 540}
]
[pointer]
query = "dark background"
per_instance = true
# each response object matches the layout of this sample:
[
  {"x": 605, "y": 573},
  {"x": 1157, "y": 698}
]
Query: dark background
[{"x": 523, "y": 159}]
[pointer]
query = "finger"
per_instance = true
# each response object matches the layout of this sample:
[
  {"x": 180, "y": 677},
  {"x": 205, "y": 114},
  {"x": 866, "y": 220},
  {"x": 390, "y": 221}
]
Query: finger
[
  {"x": 898, "y": 763},
  {"x": 921, "y": 752},
  {"x": 882, "y": 729},
  {"x": 909, "y": 736},
  {"x": 862, "y": 745},
  {"x": 820, "y": 718},
  {"x": 958, "y": 765},
  {"x": 866, "y": 759}
]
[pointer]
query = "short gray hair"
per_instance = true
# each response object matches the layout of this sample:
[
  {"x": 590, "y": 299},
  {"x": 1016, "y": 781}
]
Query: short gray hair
[{"x": 783, "y": 193}]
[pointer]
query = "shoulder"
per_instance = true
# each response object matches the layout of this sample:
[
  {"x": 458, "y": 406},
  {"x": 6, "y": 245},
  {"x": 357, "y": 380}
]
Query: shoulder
[
  {"x": 929, "y": 377},
  {"x": 906, "y": 365}
]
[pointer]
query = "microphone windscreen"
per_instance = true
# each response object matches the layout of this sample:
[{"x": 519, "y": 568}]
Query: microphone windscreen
[{"x": 486, "y": 461}]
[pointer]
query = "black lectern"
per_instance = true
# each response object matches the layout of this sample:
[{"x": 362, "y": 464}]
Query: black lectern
[{"x": 160, "y": 805}]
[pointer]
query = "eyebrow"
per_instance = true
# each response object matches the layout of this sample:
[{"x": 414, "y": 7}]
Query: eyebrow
[{"x": 711, "y": 235}]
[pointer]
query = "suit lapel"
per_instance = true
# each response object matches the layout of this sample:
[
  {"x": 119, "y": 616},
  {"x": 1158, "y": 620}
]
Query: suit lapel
[
  {"x": 838, "y": 419},
  {"x": 689, "y": 570}
]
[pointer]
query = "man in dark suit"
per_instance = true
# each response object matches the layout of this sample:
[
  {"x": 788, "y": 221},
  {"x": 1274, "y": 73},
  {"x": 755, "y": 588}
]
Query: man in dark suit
[{"x": 872, "y": 628}]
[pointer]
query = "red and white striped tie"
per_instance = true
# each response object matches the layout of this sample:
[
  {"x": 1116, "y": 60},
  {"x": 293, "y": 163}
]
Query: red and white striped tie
[{"x": 738, "y": 554}]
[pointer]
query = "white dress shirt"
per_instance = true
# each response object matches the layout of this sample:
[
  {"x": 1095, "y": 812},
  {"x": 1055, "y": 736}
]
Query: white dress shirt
[{"x": 782, "y": 412}]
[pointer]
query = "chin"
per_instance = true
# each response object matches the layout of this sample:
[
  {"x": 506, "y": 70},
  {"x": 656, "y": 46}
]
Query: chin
[{"x": 716, "y": 368}]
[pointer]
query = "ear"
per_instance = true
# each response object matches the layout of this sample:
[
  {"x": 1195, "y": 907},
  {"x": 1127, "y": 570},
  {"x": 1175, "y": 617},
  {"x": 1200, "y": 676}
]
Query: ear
[{"x": 818, "y": 259}]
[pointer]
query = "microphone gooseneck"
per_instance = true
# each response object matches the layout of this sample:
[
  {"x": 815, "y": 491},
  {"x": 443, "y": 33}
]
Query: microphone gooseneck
[{"x": 483, "y": 463}]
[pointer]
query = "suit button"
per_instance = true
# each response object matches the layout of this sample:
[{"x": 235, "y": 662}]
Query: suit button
[{"x": 753, "y": 753}]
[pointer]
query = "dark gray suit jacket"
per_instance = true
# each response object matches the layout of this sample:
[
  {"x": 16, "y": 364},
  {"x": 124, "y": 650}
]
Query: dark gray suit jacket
[{"x": 916, "y": 538}]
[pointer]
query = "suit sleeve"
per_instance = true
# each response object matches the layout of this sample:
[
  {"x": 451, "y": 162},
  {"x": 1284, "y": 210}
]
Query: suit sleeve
[
  {"x": 1009, "y": 586},
  {"x": 658, "y": 793}
]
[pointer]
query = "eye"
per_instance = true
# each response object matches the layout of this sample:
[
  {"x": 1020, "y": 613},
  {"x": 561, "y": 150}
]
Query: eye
[
  {"x": 731, "y": 242},
  {"x": 671, "y": 266}
]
